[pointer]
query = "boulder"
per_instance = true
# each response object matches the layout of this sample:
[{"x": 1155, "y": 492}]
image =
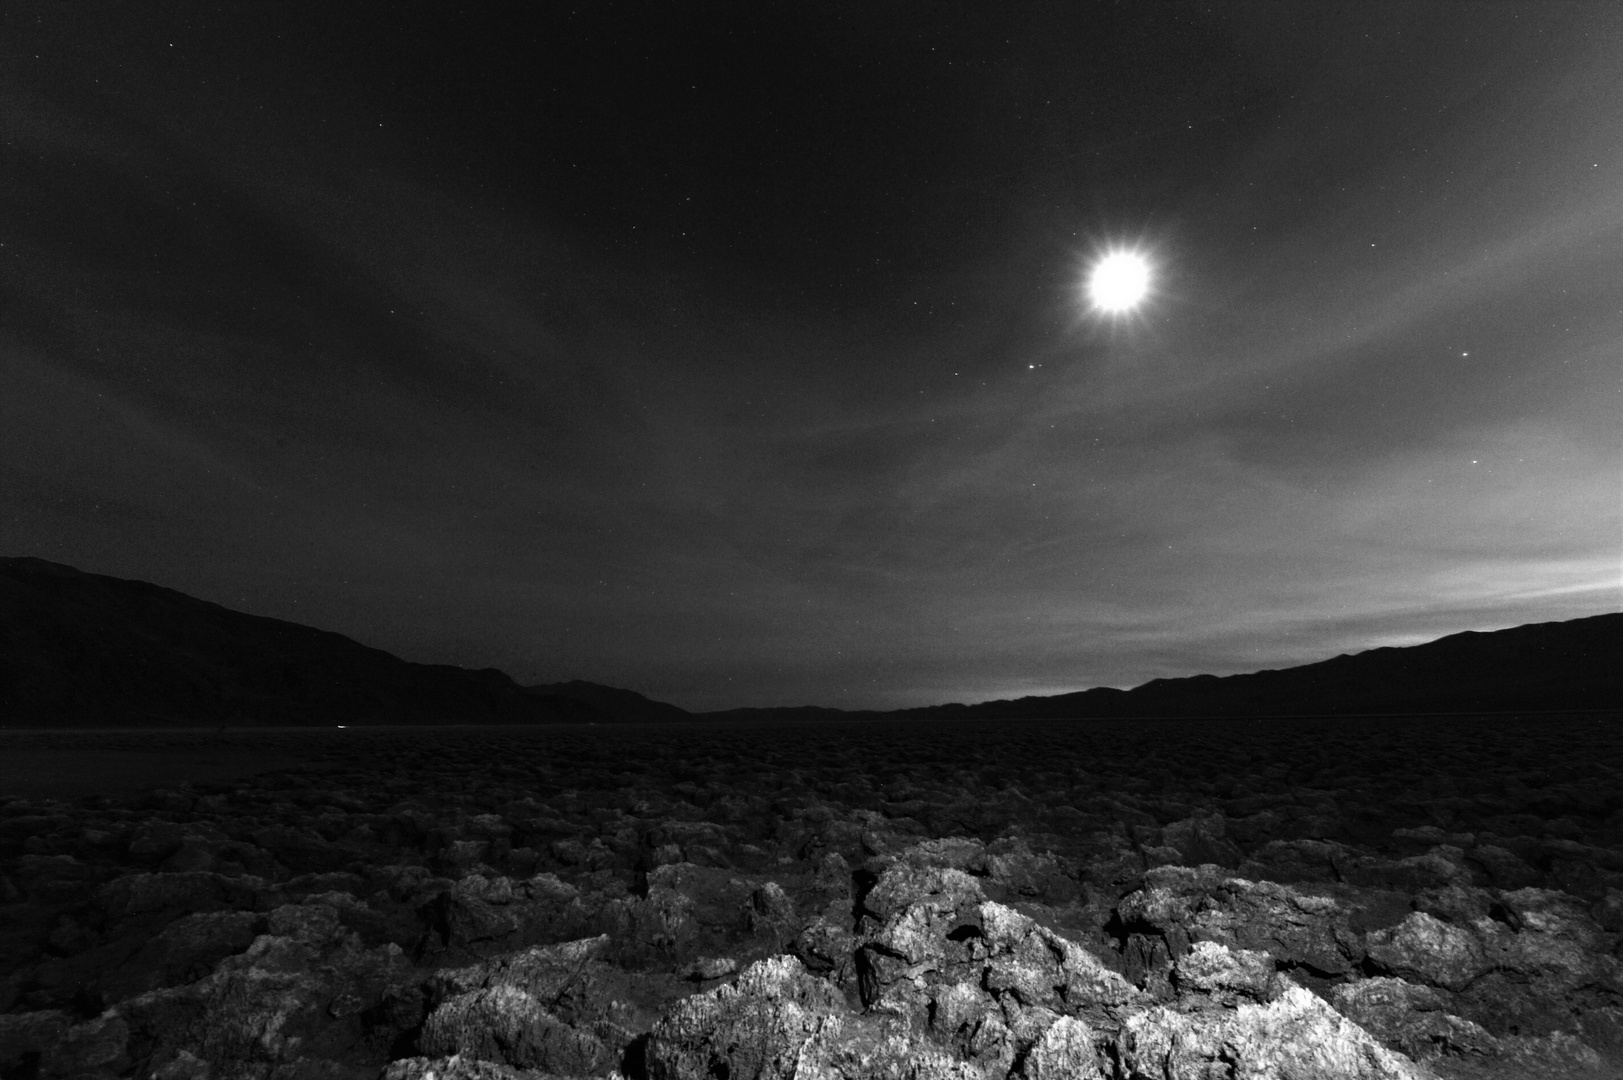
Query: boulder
[
  {"x": 1503, "y": 868},
  {"x": 1068, "y": 1050},
  {"x": 510, "y": 1026},
  {"x": 1296, "y": 861},
  {"x": 982, "y": 982},
  {"x": 904, "y": 884},
  {"x": 556, "y": 1008},
  {"x": 185, "y": 950},
  {"x": 307, "y": 989},
  {"x": 1014, "y": 872},
  {"x": 481, "y": 915},
  {"x": 1425, "y": 949},
  {"x": 50, "y": 1045},
  {"x": 755, "y": 1028},
  {"x": 1412, "y": 1019},
  {"x": 137, "y": 901},
  {"x": 455, "y": 1067},
  {"x": 778, "y": 1022},
  {"x": 1535, "y": 969},
  {"x": 1213, "y": 973},
  {"x": 827, "y": 947},
  {"x": 1179, "y": 906},
  {"x": 1297, "y": 1036},
  {"x": 1201, "y": 839}
]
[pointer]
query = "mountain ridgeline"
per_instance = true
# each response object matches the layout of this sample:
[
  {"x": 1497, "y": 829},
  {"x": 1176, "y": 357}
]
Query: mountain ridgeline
[
  {"x": 83, "y": 650},
  {"x": 1574, "y": 665}
]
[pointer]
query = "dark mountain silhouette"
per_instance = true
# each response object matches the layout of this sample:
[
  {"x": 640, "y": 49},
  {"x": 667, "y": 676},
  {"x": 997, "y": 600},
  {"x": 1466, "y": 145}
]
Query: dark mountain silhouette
[
  {"x": 627, "y": 706},
  {"x": 80, "y": 649},
  {"x": 1540, "y": 667}
]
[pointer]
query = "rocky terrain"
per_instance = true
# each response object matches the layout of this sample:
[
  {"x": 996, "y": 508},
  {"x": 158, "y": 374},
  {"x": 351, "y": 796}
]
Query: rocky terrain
[{"x": 1178, "y": 899}]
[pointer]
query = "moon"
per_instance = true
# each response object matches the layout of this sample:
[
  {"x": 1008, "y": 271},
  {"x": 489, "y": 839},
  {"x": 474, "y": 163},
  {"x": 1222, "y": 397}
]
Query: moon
[{"x": 1119, "y": 282}]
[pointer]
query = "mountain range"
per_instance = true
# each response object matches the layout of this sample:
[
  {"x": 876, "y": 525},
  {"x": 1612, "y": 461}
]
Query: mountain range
[{"x": 81, "y": 649}]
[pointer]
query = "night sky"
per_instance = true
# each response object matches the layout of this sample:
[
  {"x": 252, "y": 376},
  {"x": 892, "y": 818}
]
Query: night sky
[{"x": 740, "y": 354}]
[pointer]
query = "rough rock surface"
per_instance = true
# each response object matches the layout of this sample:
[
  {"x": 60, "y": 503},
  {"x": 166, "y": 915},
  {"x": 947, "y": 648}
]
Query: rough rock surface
[
  {"x": 757, "y": 1027},
  {"x": 954, "y": 985},
  {"x": 867, "y": 904},
  {"x": 1295, "y": 1036},
  {"x": 556, "y": 1008}
]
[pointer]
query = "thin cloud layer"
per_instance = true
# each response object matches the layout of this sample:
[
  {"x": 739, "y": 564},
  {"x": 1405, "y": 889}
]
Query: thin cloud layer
[{"x": 307, "y": 361}]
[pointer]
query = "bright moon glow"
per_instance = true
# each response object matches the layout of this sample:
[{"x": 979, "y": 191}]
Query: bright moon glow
[{"x": 1119, "y": 281}]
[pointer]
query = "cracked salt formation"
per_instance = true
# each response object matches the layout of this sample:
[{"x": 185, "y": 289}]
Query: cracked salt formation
[{"x": 1027, "y": 900}]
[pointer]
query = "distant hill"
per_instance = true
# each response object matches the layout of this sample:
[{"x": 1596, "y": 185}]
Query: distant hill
[
  {"x": 80, "y": 649},
  {"x": 626, "y": 706},
  {"x": 1540, "y": 667}
]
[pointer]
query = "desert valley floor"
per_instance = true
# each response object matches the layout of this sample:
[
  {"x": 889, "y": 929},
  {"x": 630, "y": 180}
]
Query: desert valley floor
[{"x": 355, "y": 902}]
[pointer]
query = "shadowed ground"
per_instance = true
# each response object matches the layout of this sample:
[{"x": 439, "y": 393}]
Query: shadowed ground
[{"x": 68, "y": 764}]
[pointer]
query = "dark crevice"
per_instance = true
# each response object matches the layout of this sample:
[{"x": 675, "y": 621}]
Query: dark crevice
[
  {"x": 862, "y": 882},
  {"x": 1505, "y": 914},
  {"x": 634, "y": 1062}
]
